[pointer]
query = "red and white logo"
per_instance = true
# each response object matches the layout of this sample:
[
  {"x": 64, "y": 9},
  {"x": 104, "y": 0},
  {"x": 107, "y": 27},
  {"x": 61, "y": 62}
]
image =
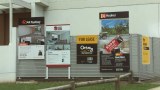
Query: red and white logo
[
  {"x": 103, "y": 15},
  {"x": 57, "y": 28},
  {"x": 24, "y": 22}
]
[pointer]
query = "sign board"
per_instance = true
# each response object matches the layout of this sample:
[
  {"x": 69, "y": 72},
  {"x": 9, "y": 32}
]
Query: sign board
[
  {"x": 58, "y": 45},
  {"x": 31, "y": 38},
  {"x": 87, "y": 49},
  {"x": 114, "y": 42},
  {"x": 145, "y": 50}
]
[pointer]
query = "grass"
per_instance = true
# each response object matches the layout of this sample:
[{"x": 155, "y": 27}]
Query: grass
[
  {"x": 33, "y": 86},
  {"x": 111, "y": 86},
  {"x": 107, "y": 86}
]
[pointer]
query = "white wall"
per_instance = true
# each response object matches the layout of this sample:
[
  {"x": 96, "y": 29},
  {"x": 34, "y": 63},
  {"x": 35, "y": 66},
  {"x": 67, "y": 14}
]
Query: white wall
[
  {"x": 143, "y": 19},
  {"x": 8, "y": 60},
  {"x": 36, "y": 10},
  {"x": 67, "y": 4},
  {"x": 39, "y": 10}
]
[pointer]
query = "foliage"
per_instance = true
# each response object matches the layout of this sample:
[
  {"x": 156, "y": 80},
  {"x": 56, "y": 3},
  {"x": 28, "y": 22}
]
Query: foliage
[{"x": 119, "y": 28}]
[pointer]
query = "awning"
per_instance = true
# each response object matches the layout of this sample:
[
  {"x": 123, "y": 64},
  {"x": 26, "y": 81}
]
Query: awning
[{"x": 4, "y": 4}]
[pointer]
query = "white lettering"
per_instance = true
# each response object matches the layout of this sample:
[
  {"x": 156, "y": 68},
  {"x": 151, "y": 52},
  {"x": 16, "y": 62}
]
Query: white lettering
[{"x": 86, "y": 48}]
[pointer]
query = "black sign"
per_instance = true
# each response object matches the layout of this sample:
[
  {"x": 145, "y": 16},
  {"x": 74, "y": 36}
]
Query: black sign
[
  {"x": 31, "y": 21},
  {"x": 109, "y": 15},
  {"x": 86, "y": 53},
  {"x": 114, "y": 62}
]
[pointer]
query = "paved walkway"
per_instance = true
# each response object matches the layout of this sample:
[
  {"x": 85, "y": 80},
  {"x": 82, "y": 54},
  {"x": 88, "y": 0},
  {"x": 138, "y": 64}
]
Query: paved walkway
[{"x": 157, "y": 88}]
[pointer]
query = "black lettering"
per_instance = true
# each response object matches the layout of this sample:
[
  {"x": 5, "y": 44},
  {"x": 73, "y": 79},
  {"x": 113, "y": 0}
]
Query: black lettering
[
  {"x": 81, "y": 39},
  {"x": 90, "y": 39}
]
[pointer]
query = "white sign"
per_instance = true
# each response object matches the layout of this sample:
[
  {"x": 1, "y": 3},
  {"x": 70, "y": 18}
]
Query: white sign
[
  {"x": 31, "y": 52},
  {"x": 57, "y": 57}
]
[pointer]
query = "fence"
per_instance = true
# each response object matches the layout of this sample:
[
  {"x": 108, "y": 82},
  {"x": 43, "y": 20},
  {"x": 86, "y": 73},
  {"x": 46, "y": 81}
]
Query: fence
[{"x": 74, "y": 85}]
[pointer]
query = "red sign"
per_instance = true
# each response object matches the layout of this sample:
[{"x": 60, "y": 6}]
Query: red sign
[{"x": 111, "y": 45}]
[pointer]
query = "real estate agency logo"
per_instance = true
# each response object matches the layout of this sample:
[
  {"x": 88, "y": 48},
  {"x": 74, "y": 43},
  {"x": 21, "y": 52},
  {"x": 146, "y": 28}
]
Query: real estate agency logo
[
  {"x": 85, "y": 49},
  {"x": 57, "y": 28},
  {"x": 107, "y": 15},
  {"x": 26, "y": 22},
  {"x": 102, "y": 15}
]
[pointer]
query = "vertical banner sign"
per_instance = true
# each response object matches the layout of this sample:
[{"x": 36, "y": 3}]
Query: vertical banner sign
[
  {"x": 114, "y": 42},
  {"x": 145, "y": 50},
  {"x": 87, "y": 49},
  {"x": 31, "y": 38}
]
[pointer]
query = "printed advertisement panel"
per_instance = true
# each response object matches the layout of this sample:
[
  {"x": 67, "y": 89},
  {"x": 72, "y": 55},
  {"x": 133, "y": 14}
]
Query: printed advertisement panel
[
  {"x": 30, "y": 37},
  {"x": 58, "y": 45},
  {"x": 87, "y": 49},
  {"x": 114, "y": 42},
  {"x": 86, "y": 53},
  {"x": 31, "y": 52},
  {"x": 145, "y": 50}
]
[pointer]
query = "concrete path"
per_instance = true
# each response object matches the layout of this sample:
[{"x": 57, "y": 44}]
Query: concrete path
[{"x": 157, "y": 88}]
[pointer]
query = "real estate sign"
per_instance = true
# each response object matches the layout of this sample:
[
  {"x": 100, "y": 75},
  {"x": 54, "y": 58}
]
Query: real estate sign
[
  {"x": 58, "y": 45},
  {"x": 31, "y": 38},
  {"x": 114, "y": 42},
  {"x": 145, "y": 50},
  {"x": 87, "y": 49}
]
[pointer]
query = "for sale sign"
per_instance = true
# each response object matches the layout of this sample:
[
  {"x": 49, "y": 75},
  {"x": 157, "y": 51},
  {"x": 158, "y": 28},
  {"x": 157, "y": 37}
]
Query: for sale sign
[
  {"x": 87, "y": 49},
  {"x": 114, "y": 42}
]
